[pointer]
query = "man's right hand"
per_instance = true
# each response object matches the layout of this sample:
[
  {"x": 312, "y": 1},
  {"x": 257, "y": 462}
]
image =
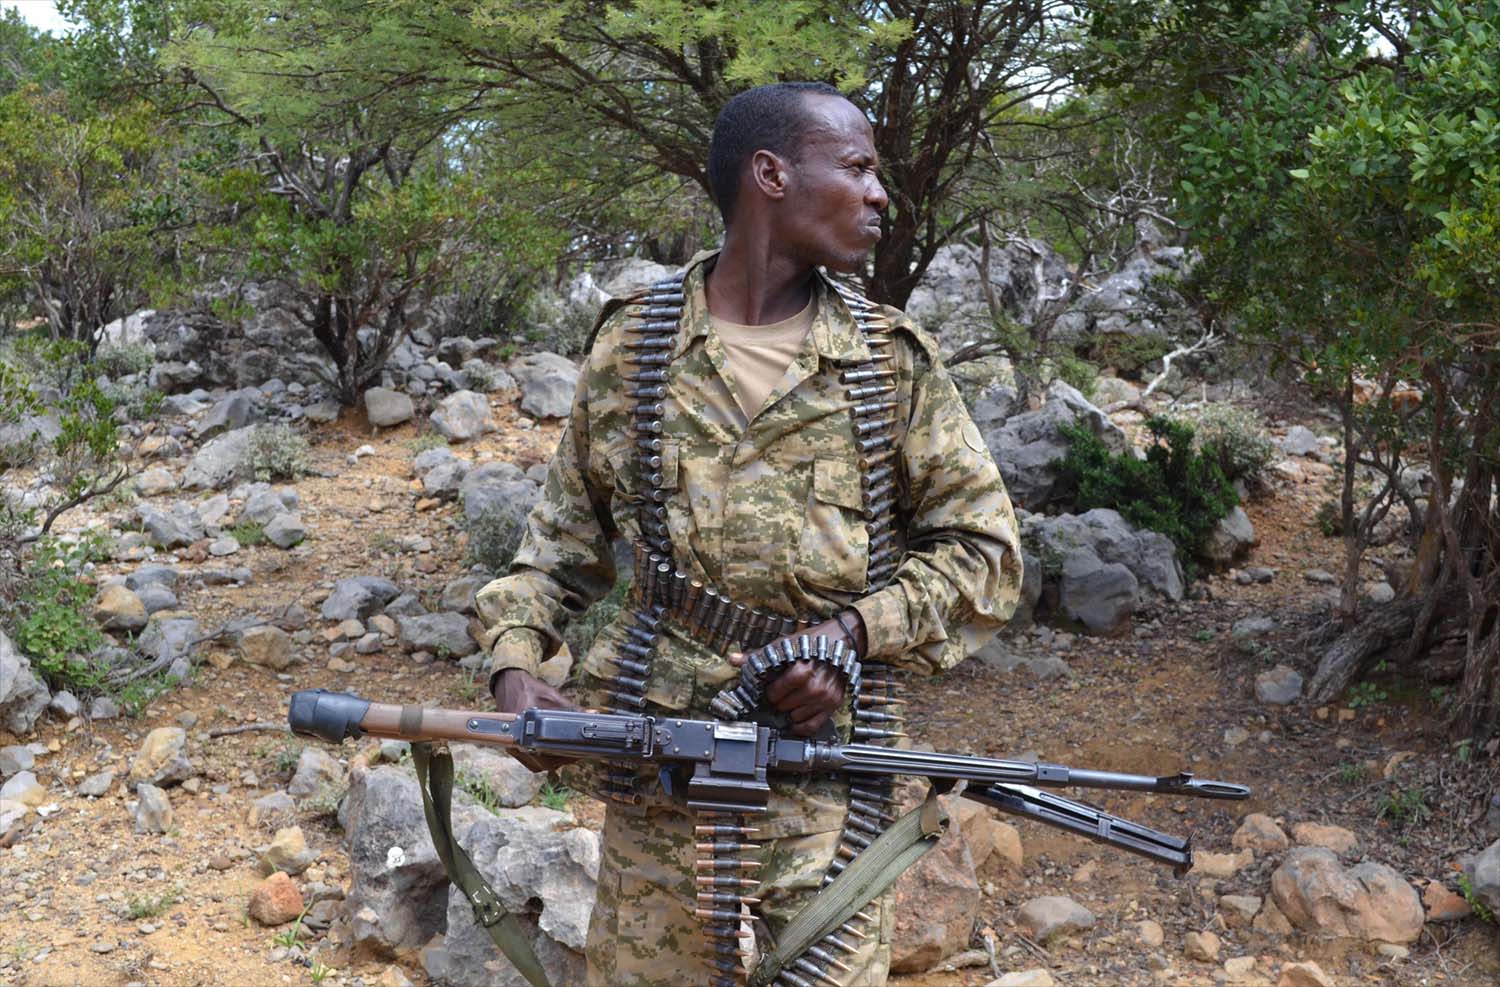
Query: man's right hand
[{"x": 516, "y": 691}]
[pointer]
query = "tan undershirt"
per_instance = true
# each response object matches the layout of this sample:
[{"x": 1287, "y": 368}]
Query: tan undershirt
[{"x": 759, "y": 355}]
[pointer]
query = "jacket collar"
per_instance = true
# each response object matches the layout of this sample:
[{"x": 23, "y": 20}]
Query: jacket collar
[{"x": 835, "y": 333}]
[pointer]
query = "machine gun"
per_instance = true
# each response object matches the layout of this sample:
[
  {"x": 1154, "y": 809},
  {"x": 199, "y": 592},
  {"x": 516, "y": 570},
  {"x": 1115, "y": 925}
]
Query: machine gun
[{"x": 717, "y": 766}]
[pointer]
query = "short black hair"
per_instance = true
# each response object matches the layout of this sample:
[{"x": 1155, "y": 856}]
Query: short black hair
[{"x": 767, "y": 118}]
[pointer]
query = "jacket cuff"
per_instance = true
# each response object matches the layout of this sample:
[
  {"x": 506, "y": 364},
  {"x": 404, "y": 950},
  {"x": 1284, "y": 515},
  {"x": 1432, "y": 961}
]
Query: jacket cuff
[
  {"x": 519, "y": 647},
  {"x": 884, "y": 614}
]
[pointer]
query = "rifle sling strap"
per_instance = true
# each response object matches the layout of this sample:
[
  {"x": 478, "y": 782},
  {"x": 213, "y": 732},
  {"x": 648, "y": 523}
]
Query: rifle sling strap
[
  {"x": 868, "y": 874},
  {"x": 435, "y": 779}
]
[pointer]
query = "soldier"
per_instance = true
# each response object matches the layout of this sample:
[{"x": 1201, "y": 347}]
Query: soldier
[{"x": 784, "y": 457}]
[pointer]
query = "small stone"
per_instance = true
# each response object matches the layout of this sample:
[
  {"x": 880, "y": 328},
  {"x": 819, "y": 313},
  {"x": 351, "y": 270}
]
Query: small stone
[
  {"x": 1150, "y": 932},
  {"x": 1240, "y": 970},
  {"x": 1221, "y": 865},
  {"x": 316, "y": 770},
  {"x": 25, "y": 789},
  {"x": 266, "y": 645},
  {"x": 1234, "y": 736},
  {"x": 102, "y": 946},
  {"x": 162, "y": 759},
  {"x": 1443, "y": 905},
  {"x": 103, "y": 708},
  {"x": 222, "y": 546},
  {"x": 119, "y": 609},
  {"x": 1259, "y": 831},
  {"x": 286, "y": 531},
  {"x": 1238, "y": 910},
  {"x": 385, "y": 407},
  {"x": 1321, "y": 577},
  {"x": 1303, "y": 974},
  {"x": 275, "y": 900},
  {"x": 1392, "y": 952},
  {"x": 1281, "y": 686},
  {"x": 382, "y": 624},
  {"x": 15, "y": 758},
  {"x": 1202, "y": 946},
  {"x": 96, "y": 784},
  {"x": 153, "y": 810},
  {"x": 288, "y": 852},
  {"x": 65, "y": 704},
  {"x": 1271, "y": 922},
  {"x": 351, "y": 629},
  {"x": 1336, "y": 838},
  {"x": 270, "y": 808},
  {"x": 341, "y": 666},
  {"x": 1051, "y": 915},
  {"x": 1381, "y": 592}
]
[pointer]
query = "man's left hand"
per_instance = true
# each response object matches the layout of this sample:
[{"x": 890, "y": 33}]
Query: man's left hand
[{"x": 811, "y": 692}]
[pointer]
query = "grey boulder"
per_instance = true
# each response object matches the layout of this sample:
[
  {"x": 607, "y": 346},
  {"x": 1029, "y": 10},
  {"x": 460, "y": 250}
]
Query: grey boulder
[
  {"x": 462, "y": 416},
  {"x": 385, "y": 407},
  {"x": 547, "y": 383},
  {"x": 1026, "y": 446},
  {"x": 444, "y": 634},
  {"x": 23, "y": 696},
  {"x": 218, "y": 462},
  {"x": 1230, "y": 540},
  {"x": 358, "y": 598}
]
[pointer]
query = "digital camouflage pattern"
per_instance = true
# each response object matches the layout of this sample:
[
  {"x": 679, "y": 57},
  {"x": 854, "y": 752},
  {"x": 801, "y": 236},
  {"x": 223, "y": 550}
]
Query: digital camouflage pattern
[
  {"x": 643, "y": 932},
  {"x": 769, "y": 511}
]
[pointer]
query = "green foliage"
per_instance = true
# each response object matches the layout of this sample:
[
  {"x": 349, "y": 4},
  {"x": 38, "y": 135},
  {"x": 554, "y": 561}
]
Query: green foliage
[
  {"x": 425, "y": 440},
  {"x": 1366, "y": 694},
  {"x": 1236, "y": 439},
  {"x": 1175, "y": 490},
  {"x": 124, "y": 359},
  {"x": 150, "y": 906},
  {"x": 493, "y": 537},
  {"x": 1129, "y": 355},
  {"x": 277, "y": 452},
  {"x": 555, "y": 796},
  {"x": 1351, "y": 772},
  {"x": 1329, "y": 519},
  {"x": 248, "y": 533},
  {"x": 1077, "y": 372},
  {"x": 53, "y": 622},
  {"x": 479, "y": 788},
  {"x": 1405, "y": 807},
  {"x": 137, "y": 696},
  {"x": 1481, "y": 910}
]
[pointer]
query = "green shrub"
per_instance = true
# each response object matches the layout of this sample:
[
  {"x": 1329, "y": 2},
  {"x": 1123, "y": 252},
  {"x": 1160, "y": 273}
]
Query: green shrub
[
  {"x": 1329, "y": 519},
  {"x": 248, "y": 533},
  {"x": 494, "y": 537},
  {"x": 1175, "y": 490},
  {"x": 124, "y": 359},
  {"x": 54, "y": 625},
  {"x": 1236, "y": 439},
  {"x": 1078, "y": 373},
  {"x": 277, "y": 452}
]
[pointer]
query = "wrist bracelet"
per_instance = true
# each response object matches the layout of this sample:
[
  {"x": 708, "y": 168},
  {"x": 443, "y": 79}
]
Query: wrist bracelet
[{"x": 850, "y": 632}]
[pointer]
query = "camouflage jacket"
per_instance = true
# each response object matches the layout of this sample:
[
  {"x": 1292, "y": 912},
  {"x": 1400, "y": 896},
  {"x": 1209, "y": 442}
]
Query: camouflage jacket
[{"x": 767, "y": 510}]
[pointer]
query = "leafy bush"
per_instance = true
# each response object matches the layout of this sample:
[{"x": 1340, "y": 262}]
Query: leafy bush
[
  {"x": 124, "y": 359},
  {"x": 54, "y": 625},
  {"x": 1175, "y": 490},
  {"x": 1077, "y": 373},
  {"x": 1236, "y": 439},
  {"x": 248, "y": 533},
  {"x": 494, "y": 537},
  {"x": 277, "y": 452},
  {"x": 1329, "y": 519}
]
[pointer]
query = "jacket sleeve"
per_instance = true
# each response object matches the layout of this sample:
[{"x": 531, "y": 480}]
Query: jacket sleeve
[
  {"x": 960, "y": 579},
  {"x": 564, "y": 563}
]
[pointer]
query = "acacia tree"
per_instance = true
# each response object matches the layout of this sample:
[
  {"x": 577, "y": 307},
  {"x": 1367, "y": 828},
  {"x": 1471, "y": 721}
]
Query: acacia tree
[
  {"x": 1344, "y": 195},
  {"x": 639, "y": 85}
]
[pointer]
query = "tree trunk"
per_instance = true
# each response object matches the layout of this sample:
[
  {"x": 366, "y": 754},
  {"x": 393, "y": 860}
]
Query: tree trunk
[{"x": 1347, "y": 656}]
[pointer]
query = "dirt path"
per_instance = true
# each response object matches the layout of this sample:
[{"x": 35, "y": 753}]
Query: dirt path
[{"x": 86, "y": 901}]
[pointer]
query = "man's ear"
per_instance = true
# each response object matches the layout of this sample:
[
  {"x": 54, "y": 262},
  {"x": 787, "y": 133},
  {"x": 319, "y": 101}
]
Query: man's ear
[{"x": 768, "y": 173}]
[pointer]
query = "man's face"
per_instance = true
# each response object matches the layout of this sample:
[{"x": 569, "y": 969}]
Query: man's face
[{"x": 831, "y": 213}]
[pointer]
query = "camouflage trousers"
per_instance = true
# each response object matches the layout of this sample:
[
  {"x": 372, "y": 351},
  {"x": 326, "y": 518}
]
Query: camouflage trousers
[{"x": 643, "y": 932}]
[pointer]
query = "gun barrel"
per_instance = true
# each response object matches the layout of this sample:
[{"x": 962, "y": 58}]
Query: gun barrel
[
  {"x": 334, "y": 716},
  {"x": 868, "y": 759}
]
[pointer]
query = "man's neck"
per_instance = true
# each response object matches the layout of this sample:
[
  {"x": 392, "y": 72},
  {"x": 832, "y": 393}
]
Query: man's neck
[{"x": 754, "y": 284}]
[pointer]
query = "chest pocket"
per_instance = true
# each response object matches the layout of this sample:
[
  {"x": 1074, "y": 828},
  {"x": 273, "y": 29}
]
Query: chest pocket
[{"x": 834, "y": 549}]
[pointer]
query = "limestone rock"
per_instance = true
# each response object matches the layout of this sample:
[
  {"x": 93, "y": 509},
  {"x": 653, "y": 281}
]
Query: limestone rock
[
  {"x": 219, "y": 461},
  {"x": 1259, "y": 831},
  {"x": 1230, "y": 540},
  {"x": 1221, "y": 865},
  {"x": 462, "y": 416},
  {"x": 316, "y": 770},
  {"x": 23, "y": 696},
  {"x": 1280, "y": 686},
  {"x": 275, "y": 901},
  {"x": 1238, "y": 910},
  {"x": 1367, "y": 901},
  {"x": 266, "y": 645},
  {"x": 1201, "y": 946},
  {"x": 15, "y": 758},
  {"x": 385, "y": 407},
  {"x": 358, "y": 598},
  {"x": 162, "y": 759},
  {"x": 1485, "y": 878},
  {"x": 264, "y": 502},
  {"x": 438, "y": 633},
  {"x": 288, "y": 852},
  {"x": 547, "y": 383},
  {"x": 1052, "y": 915},
  {"x": 1027, "y": 445},
  {"x": 498, "y": 489},
  {"x": 1336, "y": 838},
  {"x": 23, "y": 787},
  {"x": 512, "y": 783},
  {"x": 397, "y": 888},
  {"x": 1443, "y": 905},
  {"x": 937, "y": 901},
  {"x": 175, "y": 527},
  {"x": 532, "y": 857},
  {"x": 1035, "y": 977},
  {"x": 286, "y": 531},
  {"x": 153, "y": 810},
  {"x": 155, "y": 482}
]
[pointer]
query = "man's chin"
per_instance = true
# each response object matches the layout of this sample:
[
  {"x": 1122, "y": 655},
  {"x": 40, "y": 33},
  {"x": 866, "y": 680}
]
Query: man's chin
[{"x": 850, "y": 263}]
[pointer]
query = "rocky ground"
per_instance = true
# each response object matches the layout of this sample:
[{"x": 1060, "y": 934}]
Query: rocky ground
[{"x": 137, "y": 849}]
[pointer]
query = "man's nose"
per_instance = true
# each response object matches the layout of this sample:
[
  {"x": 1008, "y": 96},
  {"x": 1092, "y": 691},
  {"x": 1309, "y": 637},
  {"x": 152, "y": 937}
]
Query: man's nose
[{"x": 875, "y": 194}]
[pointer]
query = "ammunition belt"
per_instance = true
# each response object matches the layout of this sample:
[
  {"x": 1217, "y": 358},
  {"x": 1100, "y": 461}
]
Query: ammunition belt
[{"x": 662, "y": 593}]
